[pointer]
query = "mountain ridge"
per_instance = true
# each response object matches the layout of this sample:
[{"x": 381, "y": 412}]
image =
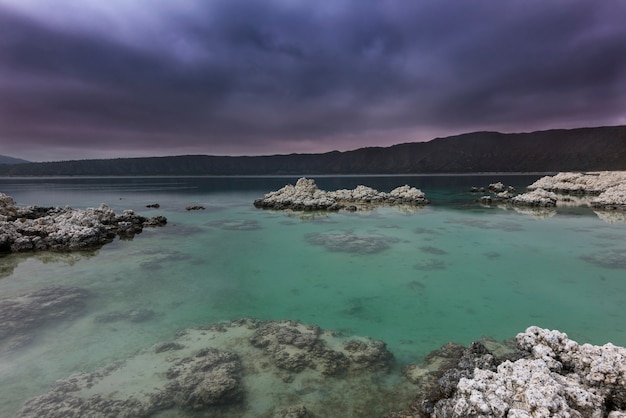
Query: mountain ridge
[
  {"x": 5, "y": 159},
  {"x": 581, "y": 149}
]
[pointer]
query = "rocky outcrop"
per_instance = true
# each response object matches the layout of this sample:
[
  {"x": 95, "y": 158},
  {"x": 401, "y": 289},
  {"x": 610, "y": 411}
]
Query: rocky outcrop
[
  {"x": 548, "y": 376},
  {"x": 612, "y": 198},
  {"x": 306, "y": 196},
  {"x": 536, "y": 197},
  {"x": 592, "y": 183},
  {"x": 35, "y": 228}
]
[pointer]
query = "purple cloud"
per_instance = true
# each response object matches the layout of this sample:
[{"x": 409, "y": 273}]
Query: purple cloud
[{"x": 248, "y": 77}]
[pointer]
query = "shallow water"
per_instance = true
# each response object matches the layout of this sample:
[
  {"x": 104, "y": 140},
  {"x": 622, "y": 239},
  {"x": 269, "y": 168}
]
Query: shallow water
[{"x": 452, "y": 271}]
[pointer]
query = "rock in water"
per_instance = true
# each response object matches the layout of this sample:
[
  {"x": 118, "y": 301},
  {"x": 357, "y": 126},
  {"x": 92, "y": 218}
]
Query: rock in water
[
  {"x": 35, "y": 228},
  {"x": 305, "y": 196}
]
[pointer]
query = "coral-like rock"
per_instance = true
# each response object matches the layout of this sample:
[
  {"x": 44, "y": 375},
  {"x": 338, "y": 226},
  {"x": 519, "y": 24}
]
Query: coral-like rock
[
  {"x": 35, "y": 228},
  {"x": 550, "y": 376},
  {"x": 537, "y": 197},
  {"x": 306, "y": 196}
]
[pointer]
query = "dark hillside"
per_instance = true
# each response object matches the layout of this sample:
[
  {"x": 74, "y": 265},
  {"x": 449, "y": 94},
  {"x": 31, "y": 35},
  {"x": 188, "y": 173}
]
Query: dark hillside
[{"x": 584, "y": 149}]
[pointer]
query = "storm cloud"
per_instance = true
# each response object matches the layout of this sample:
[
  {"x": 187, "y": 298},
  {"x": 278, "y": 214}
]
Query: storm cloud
[{"x": 153, "y": 77}]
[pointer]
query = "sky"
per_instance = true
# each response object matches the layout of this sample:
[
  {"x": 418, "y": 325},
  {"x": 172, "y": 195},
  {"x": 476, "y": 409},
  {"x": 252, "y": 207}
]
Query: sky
[{"x": 84, "y": 79}]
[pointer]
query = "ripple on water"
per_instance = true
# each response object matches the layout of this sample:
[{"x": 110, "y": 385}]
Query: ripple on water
[{"x": 235, "y": 224}]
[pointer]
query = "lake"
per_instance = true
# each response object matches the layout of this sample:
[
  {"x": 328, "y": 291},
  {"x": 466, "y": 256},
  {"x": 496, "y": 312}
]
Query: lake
[{"x": 451, "y": 271}]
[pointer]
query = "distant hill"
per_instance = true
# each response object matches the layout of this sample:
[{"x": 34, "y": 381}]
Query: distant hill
[
  {"x": 10, "y": 160},
  {"x": 585, "y": 149}
]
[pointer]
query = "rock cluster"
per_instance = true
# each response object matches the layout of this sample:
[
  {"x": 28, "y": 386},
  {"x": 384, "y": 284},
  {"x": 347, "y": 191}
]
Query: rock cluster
[
  {"x": 230, "y": 370},
  {"x": 306, "y": 196},
  {"x": 549, "y": 376},
  {"x": 608, "y": 187},
  {"x": 294, "y": 347},
  {"x": 210, "y": 377},
  {"x": 35, "y": 228}
]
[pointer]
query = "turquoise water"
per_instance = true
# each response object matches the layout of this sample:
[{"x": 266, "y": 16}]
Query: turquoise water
[{"x": 452, "y": 271}]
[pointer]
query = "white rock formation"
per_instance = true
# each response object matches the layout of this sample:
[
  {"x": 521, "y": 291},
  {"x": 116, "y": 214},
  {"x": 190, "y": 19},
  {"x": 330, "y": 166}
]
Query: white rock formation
[
  {"x": 560, "y": 379},
  {"x": 305, "y": 195},
  {"x": 64, "y": 229},
  {"x": 613, "y": 196},
  {"x": 537, "y": 197},
  {"x": 580, "y": 183}
]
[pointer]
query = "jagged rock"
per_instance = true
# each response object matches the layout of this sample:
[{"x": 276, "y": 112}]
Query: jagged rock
[
  {"x": 537, "y": 197},
  {"x": 580, "y": 183},
  {"x": 549, "y": 375},
  {"x": 497, "y": 187},
  {"x": 195, "y": 207},
  {"x": 612, "y": 198},
  {"x": 305, "y": 196},
  {"x": 35, "y": 228}
]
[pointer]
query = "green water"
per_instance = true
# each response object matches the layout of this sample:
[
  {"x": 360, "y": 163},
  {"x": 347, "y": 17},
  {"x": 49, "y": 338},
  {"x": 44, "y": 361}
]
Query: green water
[{"x": 453, "y": 271}]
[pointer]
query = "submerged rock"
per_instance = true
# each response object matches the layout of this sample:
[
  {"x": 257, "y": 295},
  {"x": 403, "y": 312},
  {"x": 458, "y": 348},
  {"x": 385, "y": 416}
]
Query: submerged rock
[
  {"x": 35, "y": 228},
  {"x": 232, "y": 369},
  {"x": 305, "y": 196},
  {"x": 21, "y": 315},
  {"x": 348, "y": 242}
]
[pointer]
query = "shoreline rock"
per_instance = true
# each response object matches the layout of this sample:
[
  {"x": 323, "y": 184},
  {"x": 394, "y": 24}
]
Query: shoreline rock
[
  {"x": 306, "y": 196},
  {"x": 36, "y": 228},
  {"x": 547, "y": 375}
]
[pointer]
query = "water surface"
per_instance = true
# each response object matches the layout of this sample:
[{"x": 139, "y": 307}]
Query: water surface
[{"x": 451, "y": 271}]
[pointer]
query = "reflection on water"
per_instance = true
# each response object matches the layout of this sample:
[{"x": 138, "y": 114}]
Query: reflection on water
[{"x": 454, "y": 271}]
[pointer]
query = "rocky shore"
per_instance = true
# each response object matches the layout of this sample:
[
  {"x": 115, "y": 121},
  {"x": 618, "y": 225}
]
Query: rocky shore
[
  {"x": 36, "y": 228},
  {"x": 249, "y": 367},
  {"x": 306, "y": 196},
  {"x": 546, "y": 375}
]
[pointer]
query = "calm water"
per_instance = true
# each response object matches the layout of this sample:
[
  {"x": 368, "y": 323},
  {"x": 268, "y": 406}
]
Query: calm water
[{"x": 453, "y": 271}]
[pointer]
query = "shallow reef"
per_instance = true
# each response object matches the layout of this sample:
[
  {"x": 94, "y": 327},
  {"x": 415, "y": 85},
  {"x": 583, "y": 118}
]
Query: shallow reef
[
  {"x": 348, "y": 242},
  {"x": 21, "y": 316},
  {"x": 249, "y": 367}
]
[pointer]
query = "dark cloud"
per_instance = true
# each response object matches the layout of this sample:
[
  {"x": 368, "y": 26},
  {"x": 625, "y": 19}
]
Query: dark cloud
[{"x": 250, "y": 77}]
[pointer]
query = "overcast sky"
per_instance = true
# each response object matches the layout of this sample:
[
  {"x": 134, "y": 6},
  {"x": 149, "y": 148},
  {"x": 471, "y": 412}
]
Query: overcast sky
[{"x": 126, "y": 78}]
